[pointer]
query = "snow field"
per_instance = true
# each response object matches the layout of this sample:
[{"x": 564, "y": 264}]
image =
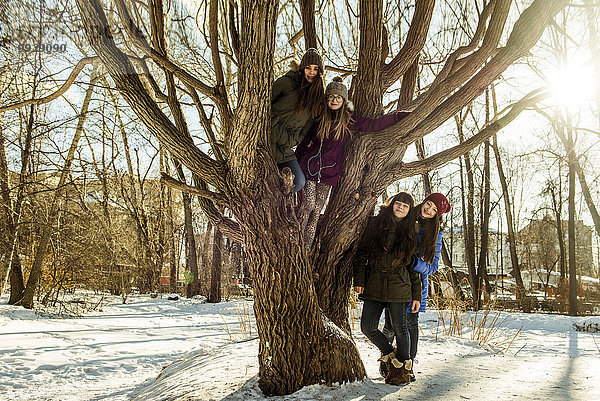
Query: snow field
[{"x": 157, "y": 349}]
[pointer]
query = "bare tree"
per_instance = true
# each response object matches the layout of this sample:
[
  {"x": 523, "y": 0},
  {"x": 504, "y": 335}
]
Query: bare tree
[{"x": 298, "y": 304}]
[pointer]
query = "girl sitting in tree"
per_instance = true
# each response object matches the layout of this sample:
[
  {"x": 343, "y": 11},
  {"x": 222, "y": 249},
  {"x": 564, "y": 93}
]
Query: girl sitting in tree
[
  {"x": 321, "y": 153},
  {"x": 296, "y": 100}
]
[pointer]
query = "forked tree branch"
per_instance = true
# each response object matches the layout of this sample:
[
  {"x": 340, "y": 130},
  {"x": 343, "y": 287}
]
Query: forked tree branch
[
  {"x": 429, "y": 115},
  {"x": 415, "y": 40},
  {"x": 129, "y": 84},
  {"x": 46, "y": 99}
]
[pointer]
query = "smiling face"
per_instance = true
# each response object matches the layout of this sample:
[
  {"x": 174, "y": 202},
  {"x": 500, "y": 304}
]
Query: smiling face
[
  {"x": 400, "y": 209},
  {"x": 428, "y": 210},
  {"x": 334, "y": 102},
  {"x": 310, "y": 72}
]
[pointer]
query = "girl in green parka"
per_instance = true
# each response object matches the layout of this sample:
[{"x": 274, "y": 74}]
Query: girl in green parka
[
  {"x": 296, "y": 101},
  {"x": 384, "y": 278}
]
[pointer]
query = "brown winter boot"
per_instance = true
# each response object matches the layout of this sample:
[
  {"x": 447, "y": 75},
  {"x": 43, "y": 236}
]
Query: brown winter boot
[
  {"x": 411, "y": 371},
  {"x": 399, "y": 376},
  {"x": 390, "y": 359}
]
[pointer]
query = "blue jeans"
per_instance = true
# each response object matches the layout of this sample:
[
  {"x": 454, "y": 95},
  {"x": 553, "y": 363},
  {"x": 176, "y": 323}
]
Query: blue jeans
[
  {"x": 369, "y": 324},
  {"x": 412, "y": 321},
  {"x": 299, "y": 179}
]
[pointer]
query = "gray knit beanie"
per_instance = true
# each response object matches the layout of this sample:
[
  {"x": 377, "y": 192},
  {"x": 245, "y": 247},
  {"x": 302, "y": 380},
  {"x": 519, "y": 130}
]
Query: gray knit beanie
[{"x": 337, "y": 87}]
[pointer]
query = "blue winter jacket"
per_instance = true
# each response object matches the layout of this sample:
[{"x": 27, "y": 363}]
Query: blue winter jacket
[{"x": 426, "y": 269}]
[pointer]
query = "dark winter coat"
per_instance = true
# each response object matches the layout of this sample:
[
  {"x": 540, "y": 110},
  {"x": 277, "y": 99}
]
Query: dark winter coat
[
  {"x": 383, "y": 279},
  {"x": 425, "y": 269},
  {"x": 322, "y": 160},
  {"x": 288, "y": 125}
]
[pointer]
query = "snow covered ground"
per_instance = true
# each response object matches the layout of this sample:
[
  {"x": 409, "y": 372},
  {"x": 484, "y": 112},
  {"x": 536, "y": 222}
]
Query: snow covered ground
[{"x": 160, "y": 349}]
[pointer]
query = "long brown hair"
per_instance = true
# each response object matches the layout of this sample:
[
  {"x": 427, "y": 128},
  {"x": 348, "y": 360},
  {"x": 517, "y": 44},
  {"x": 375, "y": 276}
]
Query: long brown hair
[
  {"x": 429, "y": 229},
  {"x": 338, "y": 119},
  {"x": 310, "y": 94},
  {"x": 405, "y": 241}
]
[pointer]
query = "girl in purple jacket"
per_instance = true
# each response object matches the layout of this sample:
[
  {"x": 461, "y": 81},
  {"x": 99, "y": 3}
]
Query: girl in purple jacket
[{"x": 321, "y": 153}]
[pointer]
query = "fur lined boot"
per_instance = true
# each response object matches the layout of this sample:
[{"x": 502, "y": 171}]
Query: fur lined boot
[{"x": 399, "y": 376}]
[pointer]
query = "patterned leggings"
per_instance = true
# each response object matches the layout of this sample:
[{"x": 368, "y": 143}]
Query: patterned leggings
[{"x": 314, "y": 196}]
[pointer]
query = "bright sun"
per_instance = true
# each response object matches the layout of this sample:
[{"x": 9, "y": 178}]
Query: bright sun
[{"x": 573, "y": 85}]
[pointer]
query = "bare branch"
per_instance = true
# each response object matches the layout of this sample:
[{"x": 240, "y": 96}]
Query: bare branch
[
  {"x": 176, "y": 184},
  {"x": 80, "y": 65},
  {"x": 140, "y": 42},
  {"x": 432, "y": 162},
  {"x": 526, "y": 32},
  {"x": 132, "y": 89}
]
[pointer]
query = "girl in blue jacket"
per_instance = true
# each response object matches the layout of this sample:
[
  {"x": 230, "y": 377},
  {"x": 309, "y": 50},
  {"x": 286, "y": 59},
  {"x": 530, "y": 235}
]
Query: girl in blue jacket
[{"x": 429, "y": 246}]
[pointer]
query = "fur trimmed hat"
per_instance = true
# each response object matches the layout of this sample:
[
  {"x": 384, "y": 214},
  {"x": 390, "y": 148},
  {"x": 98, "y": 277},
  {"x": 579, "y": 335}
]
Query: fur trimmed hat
[
  {"x": 440, "y": 201},
  {"x": 312, "y": 56}
]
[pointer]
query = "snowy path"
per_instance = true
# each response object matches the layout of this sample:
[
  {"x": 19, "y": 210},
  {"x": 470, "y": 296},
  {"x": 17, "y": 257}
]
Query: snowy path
[{"x": 120, "y": 353}]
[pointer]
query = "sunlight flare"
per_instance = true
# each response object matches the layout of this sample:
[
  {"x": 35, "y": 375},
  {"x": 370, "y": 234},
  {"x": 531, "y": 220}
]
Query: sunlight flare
[{"x": 572, "y": 85}]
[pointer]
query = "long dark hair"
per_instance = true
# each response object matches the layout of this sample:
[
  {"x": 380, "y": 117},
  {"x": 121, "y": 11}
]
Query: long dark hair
[
  {"x": 429, "y": 229},
  {"x": 310, "y": 94},
  {"x": 405, "y": 240}
]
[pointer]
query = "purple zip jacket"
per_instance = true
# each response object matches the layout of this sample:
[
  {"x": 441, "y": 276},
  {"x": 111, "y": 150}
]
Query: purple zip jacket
[{"x": 322, "y": 160}]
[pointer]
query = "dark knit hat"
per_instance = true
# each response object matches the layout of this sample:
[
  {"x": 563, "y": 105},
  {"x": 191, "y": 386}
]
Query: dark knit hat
[
  {"x": 312, "y": 56},
  {"x": 403, "y": 197},
  {"x": 337, "y": 87},
  {"x": 440, "y": 201}
]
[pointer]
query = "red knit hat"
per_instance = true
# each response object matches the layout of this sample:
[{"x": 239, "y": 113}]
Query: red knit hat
[{"x": 440, "y": 201}]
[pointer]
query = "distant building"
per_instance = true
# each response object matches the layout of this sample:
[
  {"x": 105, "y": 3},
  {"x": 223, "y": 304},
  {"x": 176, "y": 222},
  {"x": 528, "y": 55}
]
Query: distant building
[{"x": 539, "y": 248}]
